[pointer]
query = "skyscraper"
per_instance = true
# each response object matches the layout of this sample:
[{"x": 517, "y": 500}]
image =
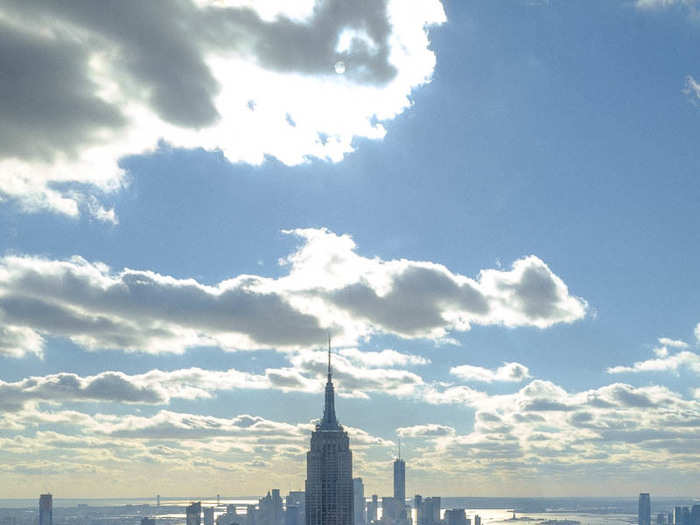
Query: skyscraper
[
  {"x": 456, "y": 517},
  {"x": 695, "y": 515},
  {"x": 372, "y": 507},
  {"x": 644, "y": 509},
  {"x": 358, "y": 495},
  {"x": 329, "y": 498},
  {"x": 45, "y": 509},
  {"x": 193, "y": 514},
  {"x": 208, "y": 515},
  {"x": 400, "y": 480}
]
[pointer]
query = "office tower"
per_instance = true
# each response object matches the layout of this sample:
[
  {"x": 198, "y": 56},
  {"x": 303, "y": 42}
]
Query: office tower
[
  {"x": 329, "y": 498},
  {"x": 392, "y": 510},
  {"x": 418, "y": 505},
  {"x": 678, "y": 516},
  {"x": 208, "y": 515},
  {"x": 148, "y": 521},
  {"x": 644, "y": 513},
  {"x": 295, "y": 507},
  {"x": 685, "y": 519},
  {"x": 372, "y": 507},
  {"x": 661, "y": 518},
  {"x": 477, "y": 520},
  {"x": 270, "y": 509},
  {"x": 456, "y": 517},
  {"x": 45, "y": 509},
  {"x": 194, "y": 514},
  {"x": 695, "y": 515},
  {"x": 218, "y": 499},
  {"x": 431, "y": 511},
  {"x": 158, "y": 500},
  {"x": 358, "y": 495},
  {"x": 292, "y": 515},
  {"x": 400, "y": 480}
]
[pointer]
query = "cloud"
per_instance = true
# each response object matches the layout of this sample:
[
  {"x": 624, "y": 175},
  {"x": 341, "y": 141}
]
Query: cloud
[
  {"x": 664, "y": 363},
  {"x": 424, "y": 299},
  {"x": 662, "y": 4},
  {"x": 543, "y": 427},
  {"x": 144, "y": 311},
  {"x": 154, "y": 387},
  {"x": 430, "y": 430},
  {"x": 509, "y": 372},
  {"x": 328, "y": 287},
  {"x": 674, "y": 343},
  {"x": 243, "y": 78},
  {"x": 692, "y": 89},
  {"x": 613, "y": 428},
  {"x": 384, "y": 358},
  {"x": 18, "y": 341},
  {"x": 356, "y": 381},
  {"x": 357, "y": 376},
  {"x": 173, "y": 425}
]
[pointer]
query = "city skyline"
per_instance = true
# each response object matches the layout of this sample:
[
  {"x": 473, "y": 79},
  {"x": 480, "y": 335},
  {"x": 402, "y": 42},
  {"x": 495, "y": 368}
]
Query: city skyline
[{"x": 490, "y": 206}]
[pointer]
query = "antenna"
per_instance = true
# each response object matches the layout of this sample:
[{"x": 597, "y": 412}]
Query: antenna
[
  {"x": 399, "y": 448},
  {"x": 329, "y": 355}
]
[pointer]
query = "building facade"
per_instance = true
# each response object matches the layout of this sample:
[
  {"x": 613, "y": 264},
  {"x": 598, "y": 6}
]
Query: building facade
[
  {"x": 358, "y": 495},
  {"x": 400, "y": 480},
  {"x": 193, "y": 514},
  {"x": 329, "y": 485},
  {"x": 372, "y": 508},
  {"x": 46, "y": 509},
  {"x": 644, "y": 509}
]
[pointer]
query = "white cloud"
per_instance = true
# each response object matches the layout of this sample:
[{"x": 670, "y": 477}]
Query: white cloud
[
  {"x": 328, "y": 287},
  {"x": 692, "y": 89},
  {"x": 154, "y": 387},
  {"x": 384, "y": 358},
  {"x": 543, "y": 427},
  {"x": 697, "y": 333},
  {"x": 674, "y": 343},
  {"x": 509, "y": 372},
  {"x": 18, "y": 341},
  {"x": 430, "y": 430},
  {"x": 663, "y": 4},
  {"x": 248, "y": 79},
  {"x": 540, "y": 429},
  {"x": 356, "y": 378},
  {"x": 664, "y": 363}
]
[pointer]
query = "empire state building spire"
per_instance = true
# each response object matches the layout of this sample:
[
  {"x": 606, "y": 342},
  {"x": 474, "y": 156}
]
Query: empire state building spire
[{"x": 329, "y": 421}]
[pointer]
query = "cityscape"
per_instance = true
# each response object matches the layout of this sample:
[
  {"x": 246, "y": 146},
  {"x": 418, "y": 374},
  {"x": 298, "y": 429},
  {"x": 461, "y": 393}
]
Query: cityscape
[
  {"x": 350, "y": 262},
  {"x": 332, "y": 496}
]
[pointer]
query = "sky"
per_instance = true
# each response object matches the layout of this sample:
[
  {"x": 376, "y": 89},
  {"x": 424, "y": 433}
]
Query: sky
[{"x": 490, "y": 206}]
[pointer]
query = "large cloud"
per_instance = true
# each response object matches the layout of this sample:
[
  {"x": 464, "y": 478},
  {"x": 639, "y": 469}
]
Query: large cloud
[
  {"x": 87, "y": 83},
  {"x": 617, "y": 430},
  {"x": 154, "y": 387},
  {"x": 543, "y": 427},
  {"x": 329, "y": 286},
  {"x": 353, "y": 377}
]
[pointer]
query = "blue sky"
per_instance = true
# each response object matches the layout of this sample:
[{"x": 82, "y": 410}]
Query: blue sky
[{"x": 498, "y": 224}]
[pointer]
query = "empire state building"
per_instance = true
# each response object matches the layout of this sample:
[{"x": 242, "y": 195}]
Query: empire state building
[{"x": 329, "y": 468}]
